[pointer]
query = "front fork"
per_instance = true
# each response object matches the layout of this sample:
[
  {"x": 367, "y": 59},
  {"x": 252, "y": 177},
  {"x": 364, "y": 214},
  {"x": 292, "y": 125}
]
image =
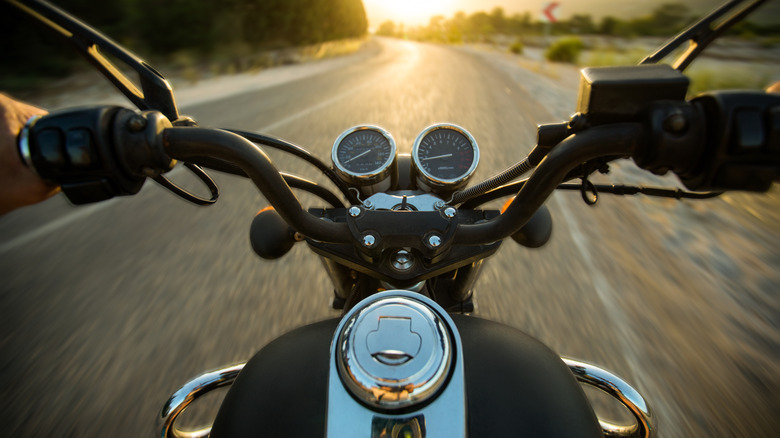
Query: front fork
[{"x": 452, "y": 290}]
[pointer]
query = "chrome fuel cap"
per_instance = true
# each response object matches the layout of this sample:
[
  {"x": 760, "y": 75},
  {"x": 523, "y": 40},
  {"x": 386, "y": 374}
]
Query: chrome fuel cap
[{"x": 394, "y": 352}]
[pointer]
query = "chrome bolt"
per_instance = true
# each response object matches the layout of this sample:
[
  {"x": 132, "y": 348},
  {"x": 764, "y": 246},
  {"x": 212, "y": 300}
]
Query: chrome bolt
[
  {"x": 439, "y": 204},
  {"x": 450, "y": 212},
  {"x": 402, "y": 260},
  {"x": 354, "y": 211},
  {"x": 434, "y": 241},
  {"x": 369, "y": 240},
  {"x": 368, "y": 204},
  {"x": 675, "y": 123},
  {"x": 137, "y": 123}
]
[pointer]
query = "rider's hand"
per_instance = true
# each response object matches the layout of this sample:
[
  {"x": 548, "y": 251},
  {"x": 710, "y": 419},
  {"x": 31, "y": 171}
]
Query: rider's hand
[{"x": 19, "y": 185}]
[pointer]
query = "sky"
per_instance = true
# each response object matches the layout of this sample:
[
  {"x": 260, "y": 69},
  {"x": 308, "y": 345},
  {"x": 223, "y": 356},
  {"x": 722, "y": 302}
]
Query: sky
[{"x": 418, "y": 12}]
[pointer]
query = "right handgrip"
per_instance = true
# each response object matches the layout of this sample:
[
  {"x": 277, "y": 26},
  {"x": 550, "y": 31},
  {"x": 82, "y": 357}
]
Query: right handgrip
[{"x": 725, "y": 140}]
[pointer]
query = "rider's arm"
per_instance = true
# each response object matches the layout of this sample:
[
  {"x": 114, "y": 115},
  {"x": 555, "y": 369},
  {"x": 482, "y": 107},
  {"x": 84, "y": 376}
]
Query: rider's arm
[{"x": 19, "y": 186}]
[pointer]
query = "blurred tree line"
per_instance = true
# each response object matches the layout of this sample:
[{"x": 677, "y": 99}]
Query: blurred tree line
[
  {"x": 665, "y": 20},
  {"x": 159, "y": 29}
]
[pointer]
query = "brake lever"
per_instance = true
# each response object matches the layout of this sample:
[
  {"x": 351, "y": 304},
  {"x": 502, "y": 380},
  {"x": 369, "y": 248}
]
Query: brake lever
[{"x": 155, "y": 93}]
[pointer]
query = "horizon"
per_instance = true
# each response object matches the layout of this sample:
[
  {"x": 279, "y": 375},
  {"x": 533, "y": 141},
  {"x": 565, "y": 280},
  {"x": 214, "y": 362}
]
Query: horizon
[{"x": 414, "y": 13}]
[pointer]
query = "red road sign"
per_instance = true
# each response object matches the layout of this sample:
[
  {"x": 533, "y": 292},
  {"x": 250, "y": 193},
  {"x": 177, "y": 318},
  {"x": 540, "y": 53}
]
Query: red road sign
[{"x": 548, "y": 12}]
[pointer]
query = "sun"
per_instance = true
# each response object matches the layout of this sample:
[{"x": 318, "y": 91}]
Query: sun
[{"x": 408, "y": 12}]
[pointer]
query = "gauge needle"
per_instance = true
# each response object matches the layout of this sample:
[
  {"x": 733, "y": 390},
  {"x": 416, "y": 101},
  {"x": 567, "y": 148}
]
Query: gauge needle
[
  {"x": 357, "y": 156},
  {"x": 438, "y": 156}
]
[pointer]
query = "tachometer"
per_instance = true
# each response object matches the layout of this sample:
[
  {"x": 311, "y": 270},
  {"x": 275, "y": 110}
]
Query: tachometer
[
  {"x": 364, "y": 156},
  {"x": 445, "y": 156}
]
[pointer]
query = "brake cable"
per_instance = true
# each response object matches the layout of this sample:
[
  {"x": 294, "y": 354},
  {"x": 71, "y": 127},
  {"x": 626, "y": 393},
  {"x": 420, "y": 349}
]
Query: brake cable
[
  {"x": 614, "y": 189},
  {"x": 301, "y": 153}
]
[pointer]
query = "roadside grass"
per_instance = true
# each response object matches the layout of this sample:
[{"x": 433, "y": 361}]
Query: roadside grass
[
  {"x": 612, "y": 57},
  {"x": 240, "y": 58},
  {"x": 190, "y": 67},
  {"x": 705, "y": 75},
  {"x": 707, "y": 78}
]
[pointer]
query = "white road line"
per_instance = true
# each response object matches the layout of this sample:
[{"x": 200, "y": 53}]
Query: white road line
[{"x": 54, "y": 225}]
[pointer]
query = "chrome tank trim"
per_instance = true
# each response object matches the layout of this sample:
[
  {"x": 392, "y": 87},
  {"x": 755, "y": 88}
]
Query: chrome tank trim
[
  {"x": 620, "y": 390},
  {"x": 189, "y": 392},
  {"x": 407, "y": 200},
  {"x": 440, "y": 409}
]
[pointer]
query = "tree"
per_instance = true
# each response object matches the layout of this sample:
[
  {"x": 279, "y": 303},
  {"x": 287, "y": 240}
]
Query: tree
[
  {"x": 608, "y": 25},
  {"x": 582, "y": 24},
  {"x": 387, "y": 28}
]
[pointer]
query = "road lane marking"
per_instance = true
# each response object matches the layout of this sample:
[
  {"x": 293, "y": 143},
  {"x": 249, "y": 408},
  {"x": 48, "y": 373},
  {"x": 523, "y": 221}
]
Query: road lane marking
[{"x": 54, "y": 225}]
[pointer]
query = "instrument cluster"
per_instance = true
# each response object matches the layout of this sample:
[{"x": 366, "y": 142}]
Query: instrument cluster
[{"x": 444, "y": 157}]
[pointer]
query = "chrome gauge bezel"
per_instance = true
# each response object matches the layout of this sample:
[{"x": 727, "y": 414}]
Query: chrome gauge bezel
[
  {"x": 366, "y": 178},
  {"x": 427, "y": 180}
]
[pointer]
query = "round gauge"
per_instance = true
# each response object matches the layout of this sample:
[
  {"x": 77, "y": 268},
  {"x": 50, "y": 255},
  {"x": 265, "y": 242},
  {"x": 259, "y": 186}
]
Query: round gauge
[
  {"x": 445, "y": 156},
  {"x": 364, "y": 155}
]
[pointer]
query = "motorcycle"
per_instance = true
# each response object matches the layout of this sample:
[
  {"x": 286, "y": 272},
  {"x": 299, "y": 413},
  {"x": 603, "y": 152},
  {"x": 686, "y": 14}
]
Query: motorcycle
[{"x": 404, "y": 251}]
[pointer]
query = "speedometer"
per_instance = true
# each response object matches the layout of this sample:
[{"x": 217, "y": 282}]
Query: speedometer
[
  {"x": 445, "y": 156},
  {"x": 364, "y": 156}
]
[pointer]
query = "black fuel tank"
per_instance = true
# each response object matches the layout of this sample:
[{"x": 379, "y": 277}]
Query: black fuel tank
[{"x": 515, "y": 386}]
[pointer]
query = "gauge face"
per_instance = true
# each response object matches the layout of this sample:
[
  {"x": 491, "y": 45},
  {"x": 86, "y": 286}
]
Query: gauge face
[
  {"x": 363, "y": 152},
  {"x": 445, "y": 154}
]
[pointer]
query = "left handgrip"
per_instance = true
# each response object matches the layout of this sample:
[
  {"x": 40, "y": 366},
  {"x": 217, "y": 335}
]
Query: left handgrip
[{"x": 96, "y": 153}]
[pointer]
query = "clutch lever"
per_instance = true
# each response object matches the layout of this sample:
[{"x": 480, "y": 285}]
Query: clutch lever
[{"x": 155, "y": 93}]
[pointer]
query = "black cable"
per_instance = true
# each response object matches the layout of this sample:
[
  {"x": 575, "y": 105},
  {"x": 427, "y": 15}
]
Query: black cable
[
  {"x": 293, "y": 181},
  {"x": 189, "y": 143},
  {"x": 315, "y": 189},
  {"x": 491, "y": 184},
  {"x": 301, "y": 153},
  {"x": 619, "y": 190}
]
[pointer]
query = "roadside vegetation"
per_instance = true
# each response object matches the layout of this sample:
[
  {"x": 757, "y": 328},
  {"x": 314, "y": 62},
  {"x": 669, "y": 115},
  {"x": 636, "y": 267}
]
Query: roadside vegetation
[
  {"x": 483, "y": 27},
  {"x": 583, "y": 41},
  {"x": 193, "y": 37}
]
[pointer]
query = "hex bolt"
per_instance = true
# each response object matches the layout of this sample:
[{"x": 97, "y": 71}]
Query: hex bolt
[
  {"x": 354, "y": 211},
  {"x": 439, "y": 204},
  {"x": 450, "y": 212},
  {"x": 368, "y": 204},
  {"x": 434, "y": 241},
  {"x": 369, "y": 240},
  {"x": 402, "y": 260},
  {"x": 675, "y": 123},
  {"x": 137, "y": 123}
]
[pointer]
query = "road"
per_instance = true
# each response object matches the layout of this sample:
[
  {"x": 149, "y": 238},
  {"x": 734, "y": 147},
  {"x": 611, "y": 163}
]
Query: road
[{"x": 106, "y": 309}]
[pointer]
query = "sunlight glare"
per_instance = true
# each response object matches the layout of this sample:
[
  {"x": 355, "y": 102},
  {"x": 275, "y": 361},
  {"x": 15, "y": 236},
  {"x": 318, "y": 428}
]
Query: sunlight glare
[{"x": 409, "y": 12}]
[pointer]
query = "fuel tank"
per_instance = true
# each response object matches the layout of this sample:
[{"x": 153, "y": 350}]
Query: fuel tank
[{"x": 514, "y": 386}]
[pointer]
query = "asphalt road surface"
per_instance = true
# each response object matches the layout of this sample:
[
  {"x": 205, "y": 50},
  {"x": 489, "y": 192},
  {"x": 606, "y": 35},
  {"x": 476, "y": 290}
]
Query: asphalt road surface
[{"x": 106, "y": 309}]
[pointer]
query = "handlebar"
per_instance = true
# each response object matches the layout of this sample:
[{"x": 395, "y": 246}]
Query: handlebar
[
  {"x": 191, "y": 143},
  {"x": 601, "y": 141},
  {"x": 721, "y": 141}
]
